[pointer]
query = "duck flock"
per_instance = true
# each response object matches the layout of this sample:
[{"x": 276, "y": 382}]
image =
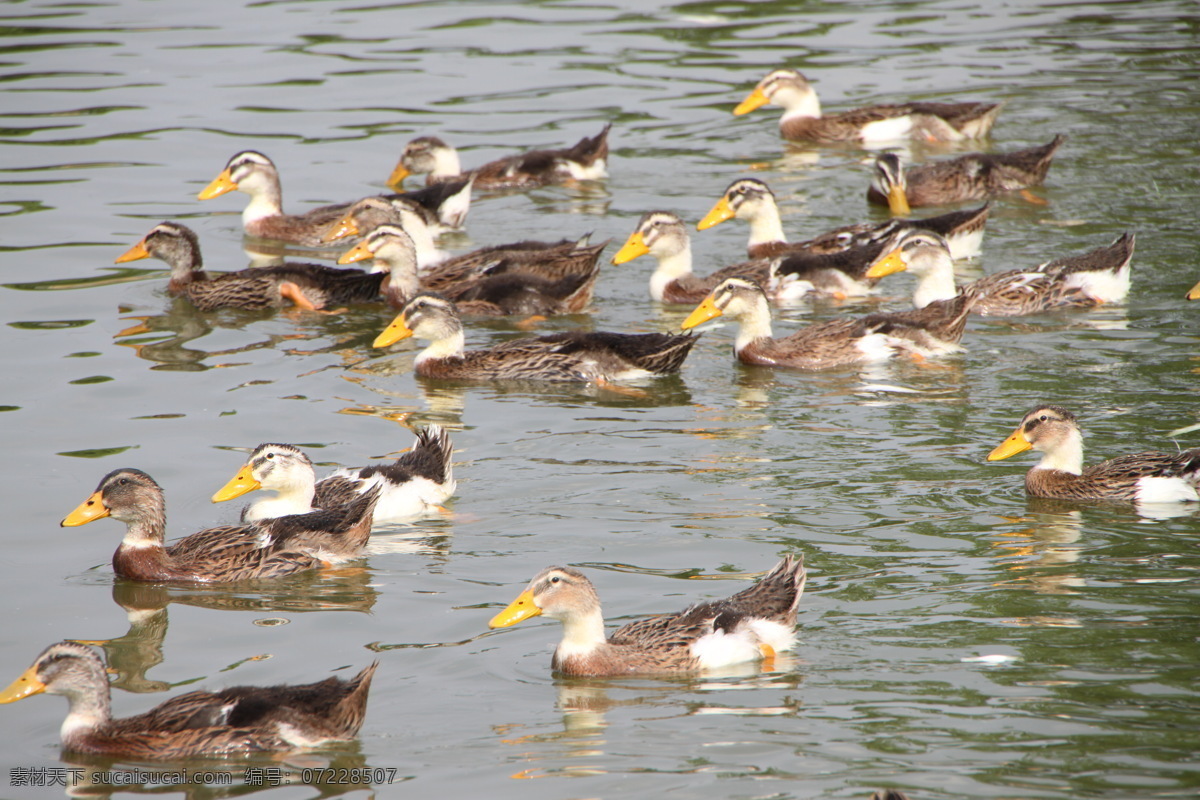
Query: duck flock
[{"x": 311, "y": 524}]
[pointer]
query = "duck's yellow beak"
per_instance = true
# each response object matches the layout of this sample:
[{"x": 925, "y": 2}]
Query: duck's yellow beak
[
  {"x": 219, "y": 186},
  {"x": 91, "y": 509},
  {"x": 240, "y": 484},
  {"x": 341, "y": 229},
  {"x": 356, "y": 253},
  {"x": 1017, "y": 443},
  {"x": 521, "y": 608},
  {"x": 898, "y": 200},
  {"x": 138, "y": 251},
  {"x": 719, "y": 213},
  {"x": 887, "y": 265},
  {"x": 393, "y": 333},
  {"x": 1194, "y": 293},
  {"x": 756, "y": 99},
  {"x": 397, "y": 177},
  {"x": 703, "y": 313},
  {"x": 23, "y": 687},
  {"x": 634, "y": 247}
]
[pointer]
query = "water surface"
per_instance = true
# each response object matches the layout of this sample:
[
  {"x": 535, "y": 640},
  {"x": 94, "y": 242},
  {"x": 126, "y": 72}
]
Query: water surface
[{"x": 957, "y": 639}]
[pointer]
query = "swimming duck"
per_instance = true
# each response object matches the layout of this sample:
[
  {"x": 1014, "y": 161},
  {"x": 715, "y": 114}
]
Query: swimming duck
[
  {"x": 507, "y": 285},
  {"x": 586, "y": 160},
  {"x": 308, "y": 286},
  {"x": 802, "y": 119},
  {"x": 1079, "y": 281},
  {"x": 574, "y": 356},
  {"x": 253, "y": 173},
  {"x": 933, "y": 330},
  {"x": 1141, "y": 477},
  {"x": 443, "y": 272},
  {"x": 266, "y": 549},
  {"x": 232, "y": 721},
  {"x": 975, "y": 176},
  {"x": 754, "y": 623},
  {"x": 752, "y": 200},
  {"x": 664, "y": 236},
  {"x": 414, "y": 485}
]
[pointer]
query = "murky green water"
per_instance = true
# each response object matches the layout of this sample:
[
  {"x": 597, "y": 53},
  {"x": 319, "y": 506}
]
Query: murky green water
[{"x": 958, "y": 641}]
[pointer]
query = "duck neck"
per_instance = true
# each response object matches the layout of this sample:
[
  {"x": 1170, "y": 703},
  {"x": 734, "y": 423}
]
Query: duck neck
[
  {"x": 582, "y": 634},
  {"x": 451, "y": 346},
  {"x": 765, "y": 224},
  {"x": 146, "y": 528},
  {"x": 1066, "y": 456},
  {"x": 755, "y": 323},
  {"x": 187, "y": 267},
  {"x": 935, "y": 281},
  {"x": 445, "y": 164},
  {"x": 402, "y": 281},
  {"x": 266, "y": 198},
  {"x": 797, "y": 104},
  {"x": 89, "y": 708},
  {"x": 671, "y": 267}
]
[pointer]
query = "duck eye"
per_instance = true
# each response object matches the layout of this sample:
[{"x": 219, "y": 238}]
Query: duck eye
[
  {"x": 122, "y": 481},
  {"x": 555, "y": 579},
  {"x": 1043, "y": 417}
]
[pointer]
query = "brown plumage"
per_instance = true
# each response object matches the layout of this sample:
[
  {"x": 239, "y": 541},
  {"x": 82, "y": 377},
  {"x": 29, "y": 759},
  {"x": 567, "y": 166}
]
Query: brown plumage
[
  {"x": 664, "y": 236},
  {"x": 931, "y": 331},
  {"x": 267, "y": 549},
  {"x": 1079, "y": 281},
  {"x": 1149, "y": 477},
  {"x": 574, "y": 356},
  {"x": 752, "y": 201},
  {"x": 312, "y": 286},
  {"x": 411, "y": 486},
  {"x": 560, "y": 281},
  {"x": 975, "y": 176},
  {"x": 237, "y": 720},
  {"x": 585, "y": 160},
  {"x": 253, "y": 173},
  {"x": 755, "y": 622},
  {"x": 802, "y": 119}
]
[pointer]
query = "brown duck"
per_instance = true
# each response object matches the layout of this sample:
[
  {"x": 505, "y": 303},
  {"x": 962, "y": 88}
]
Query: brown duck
[
  {"x": 802, "y": 119},
  {"x": 586, "y": 160},
  {"x": 975, "y": 176},
  {"x": 756, "y": 622},
  {"x": 308, "y": 286},
  {"x": 574, "y": 356},
  {"x": 1079, "y": 281},
  {"x": 233, "y": 721},
  {"x": 931, "y": 331},
  {"x": 1149, "y": 477},
  {"x": 266, "y": 549}
]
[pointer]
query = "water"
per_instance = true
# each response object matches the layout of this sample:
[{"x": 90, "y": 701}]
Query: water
[{"x": 957, "y": 639}]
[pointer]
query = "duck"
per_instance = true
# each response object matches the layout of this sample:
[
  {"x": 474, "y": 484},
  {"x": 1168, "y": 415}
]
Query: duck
[
  {"x": 412, "y": 486},
  {"x": 234, "y": 721},
  {"x": 752, "y": 200},
  {"x": 975, "y": 176},
  {"x": 664, "y": 236},
  {"x": 586, "y": 160},
  {"x": 802, "y": 119},
  {"x": 251, "y": 172},
  {"x": 1149, "y": 477},
  {"x": 265, "y": 549},
  {"x": 308, "y": 286},
  {"x": 753, "y": 624},
  {"x": 932, "y": 331},
  {"x": 572, "y": 356},
  {"x": 1079, "y": 281},
  {"x": 509, "y": 284}
]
